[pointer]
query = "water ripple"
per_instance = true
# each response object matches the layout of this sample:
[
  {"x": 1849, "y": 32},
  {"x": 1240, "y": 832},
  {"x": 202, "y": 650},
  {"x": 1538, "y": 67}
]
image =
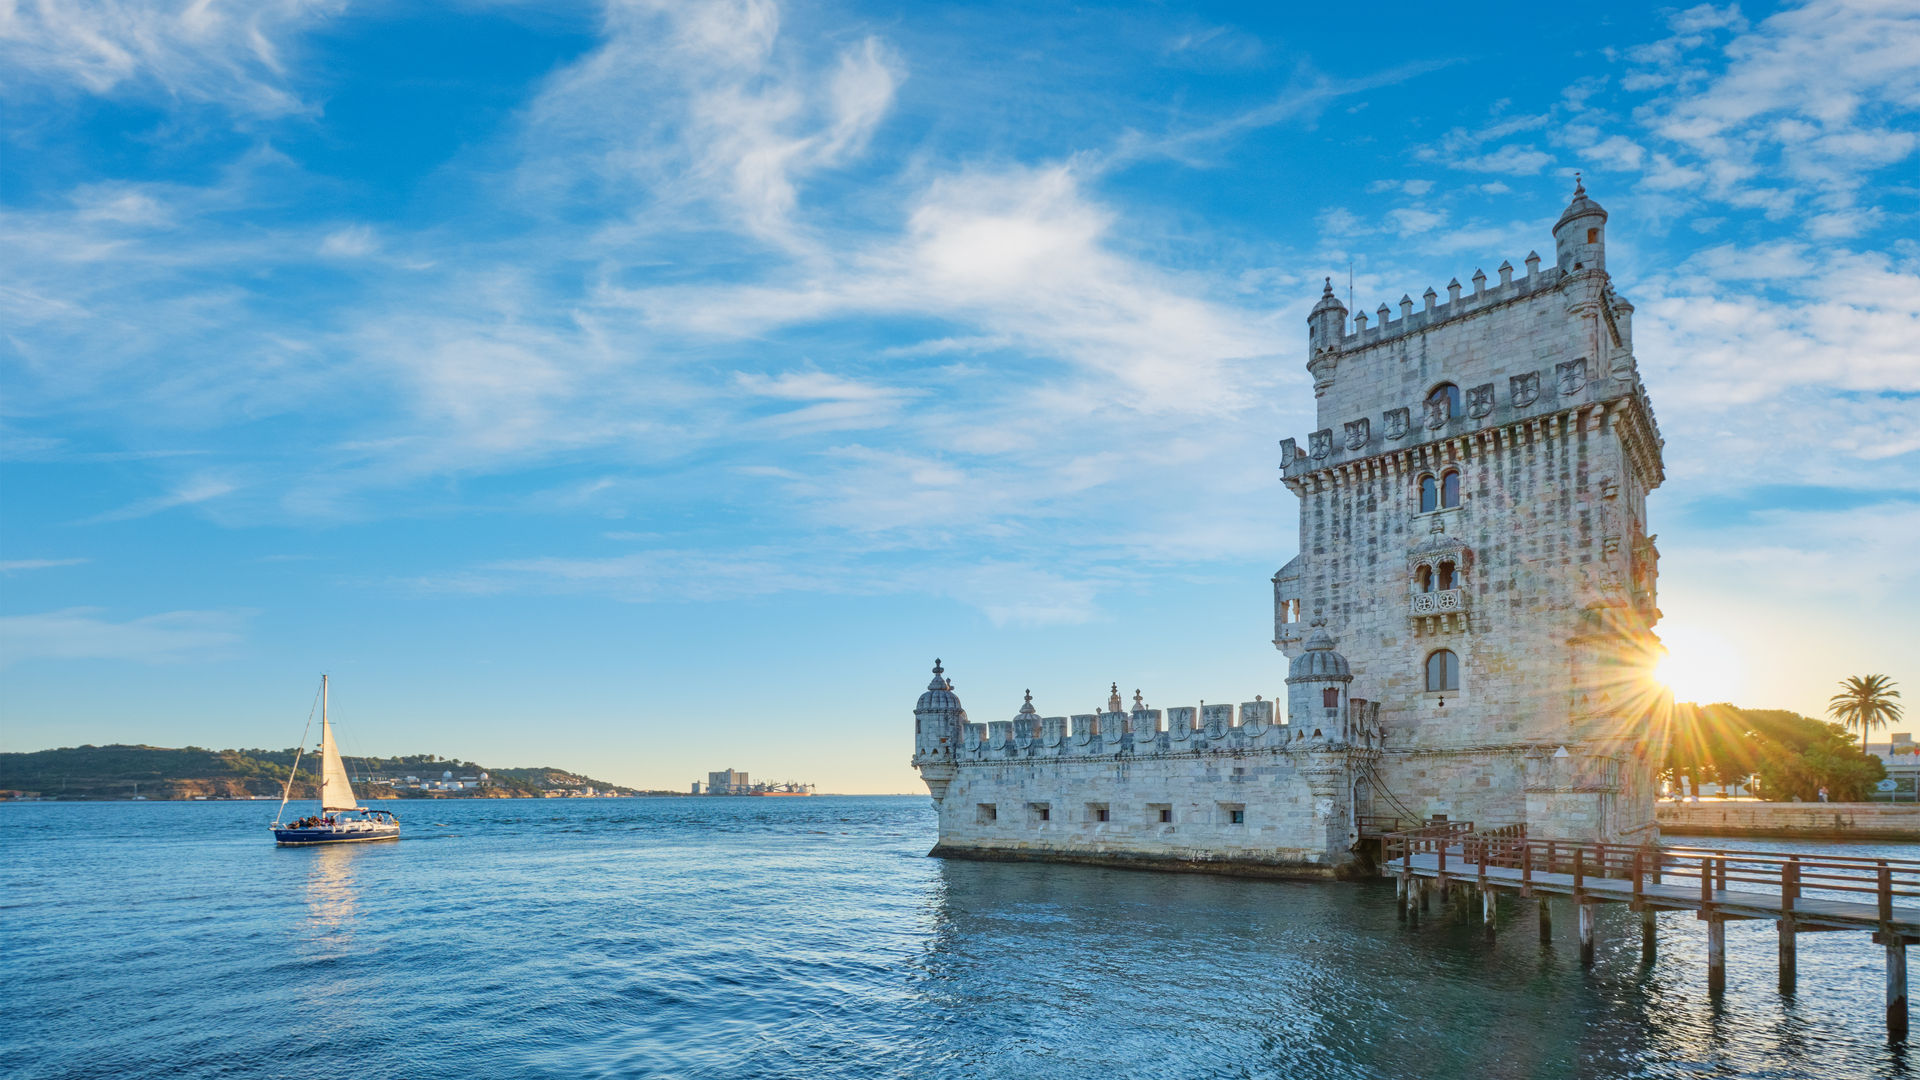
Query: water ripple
[{"x": 811, "y": 938}]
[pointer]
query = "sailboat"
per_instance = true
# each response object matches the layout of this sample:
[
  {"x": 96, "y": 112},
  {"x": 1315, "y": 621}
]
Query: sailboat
[{"x": 341, "y": 820}]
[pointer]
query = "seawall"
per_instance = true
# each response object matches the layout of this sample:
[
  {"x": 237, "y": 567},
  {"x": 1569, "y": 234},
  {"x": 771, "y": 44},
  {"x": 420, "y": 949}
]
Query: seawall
[
  {"x": 1792, "y": 821},
  {"x": 1226, "y": 866}
]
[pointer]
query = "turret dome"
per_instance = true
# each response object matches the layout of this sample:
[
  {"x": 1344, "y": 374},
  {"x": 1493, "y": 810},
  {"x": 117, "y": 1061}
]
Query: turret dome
[
  {"x": 1328, "y": 302},
  {"x": 939, "y": 696},
  {"x": 1318, "y": 660},
  {"x": 1581, "y": 206}
]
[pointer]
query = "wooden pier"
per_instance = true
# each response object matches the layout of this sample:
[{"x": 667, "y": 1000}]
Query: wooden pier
[{"x": 1800, "y": 893}]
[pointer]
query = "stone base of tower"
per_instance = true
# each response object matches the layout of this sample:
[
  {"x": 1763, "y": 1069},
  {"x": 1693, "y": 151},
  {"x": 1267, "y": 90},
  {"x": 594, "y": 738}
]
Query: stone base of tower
[
  {"x": 1589, "y": 796},
  {"x": 1241, "y": 864}
]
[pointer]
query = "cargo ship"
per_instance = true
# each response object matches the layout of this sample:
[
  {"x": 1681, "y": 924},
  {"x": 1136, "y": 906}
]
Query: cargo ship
[{"x": 734, "y": 782}]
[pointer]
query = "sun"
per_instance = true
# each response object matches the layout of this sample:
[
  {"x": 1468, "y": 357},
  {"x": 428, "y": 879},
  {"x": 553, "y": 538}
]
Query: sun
[{"x": 1700, "y": 666}]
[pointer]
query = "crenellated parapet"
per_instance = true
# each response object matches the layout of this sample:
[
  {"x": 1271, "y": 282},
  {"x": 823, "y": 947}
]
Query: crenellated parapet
[{"x": 1183, "y": 730}]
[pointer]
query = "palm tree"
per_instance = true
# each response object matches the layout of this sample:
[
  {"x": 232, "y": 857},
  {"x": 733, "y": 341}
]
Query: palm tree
[{"x": 1865, "y": 702}]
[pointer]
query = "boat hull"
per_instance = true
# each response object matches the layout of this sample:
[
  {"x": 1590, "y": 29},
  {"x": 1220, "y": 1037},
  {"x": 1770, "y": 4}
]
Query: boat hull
[{"x": 311, "y": 837}]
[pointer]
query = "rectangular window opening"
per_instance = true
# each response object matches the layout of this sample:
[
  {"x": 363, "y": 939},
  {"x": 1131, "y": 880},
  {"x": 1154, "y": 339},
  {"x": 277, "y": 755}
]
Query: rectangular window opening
[
  {"x": 1096, "y": 811},
  {"x": 1039, "y": 812},
  {"x": 986, "y": 812},
  {"x": 1161, "y": 813}
]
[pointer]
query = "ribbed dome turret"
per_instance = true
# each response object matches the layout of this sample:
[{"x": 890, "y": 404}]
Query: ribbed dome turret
[
  {"x": 939, "y": 696},
  {"x": 1328, "y": 302},
  {"x": 1318, "y": 660},
  {"x": 1581, "y": 206}
]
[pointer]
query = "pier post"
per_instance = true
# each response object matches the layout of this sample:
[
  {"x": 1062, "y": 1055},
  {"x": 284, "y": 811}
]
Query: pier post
[
  {"x": 1546, "y": 921},
  {"x": 1586, "y": 934},
  {"x": 1896, "y": 987},
  {"x": 1788, "y": 961},
  {"x": 1400, "y": 897},
  {"x": 1426, "y": 904},
  {"x": 1488, "y": 907},
  {"x": 1716, "y": 953},
  {"x": 1648, "y": 940}
]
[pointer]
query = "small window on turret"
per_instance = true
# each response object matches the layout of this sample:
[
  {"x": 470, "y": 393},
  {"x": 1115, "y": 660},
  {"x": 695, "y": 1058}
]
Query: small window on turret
[
  {"x": 1330, "y": 697},
  {"x": 1593, "y": 236}
]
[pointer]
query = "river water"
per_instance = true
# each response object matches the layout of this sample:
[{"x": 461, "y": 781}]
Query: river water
[{"x": 813, "y": 938}]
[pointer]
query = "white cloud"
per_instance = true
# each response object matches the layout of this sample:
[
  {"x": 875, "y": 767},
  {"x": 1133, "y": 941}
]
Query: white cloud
[
  {"x": 1021, "y": 255},
  {"x": 192, "y": 493},
  {"x": 354, "y": 242},
  {"x": 1810, "y": 102},
  {"x": 232, "y": 55},
  {"x": 9, "y": 566},
  {"x": 83, "y": 634},
  {"x": 728, "y": 115}
]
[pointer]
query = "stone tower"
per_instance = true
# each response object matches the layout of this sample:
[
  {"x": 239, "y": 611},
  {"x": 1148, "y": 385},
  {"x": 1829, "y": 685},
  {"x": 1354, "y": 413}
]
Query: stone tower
[
  {"x": 1472, "y": 538},
  {"x": 1473, "y": 530}
]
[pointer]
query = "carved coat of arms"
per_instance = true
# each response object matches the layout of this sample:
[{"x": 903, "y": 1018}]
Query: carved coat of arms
[
  {"x": 1288, "y": 451},
  {"x": 1573, "y": 377},
  {"x": 1397, "y": 423},
  {"x": 1320, "y": 443},
  {"x": 1437, "y": 413},
  {"x": 1525, "y": 389},
  {"x": 1357, "y": 431},
  {"x": 1480, "y": 401}
]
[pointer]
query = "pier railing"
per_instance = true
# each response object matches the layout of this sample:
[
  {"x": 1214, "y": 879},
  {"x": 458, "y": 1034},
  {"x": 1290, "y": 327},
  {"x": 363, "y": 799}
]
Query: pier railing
[
  {"x": 1800, "y": 892},
  {"x": 1459, "y": 852}
]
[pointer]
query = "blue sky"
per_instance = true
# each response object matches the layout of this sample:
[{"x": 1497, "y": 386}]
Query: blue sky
[{"x": 650, "y": 389}]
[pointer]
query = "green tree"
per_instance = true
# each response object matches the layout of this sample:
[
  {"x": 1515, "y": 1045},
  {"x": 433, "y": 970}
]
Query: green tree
[
  {"x": 1865, "y": 702},
  {"x": 1798, "y": 755}
]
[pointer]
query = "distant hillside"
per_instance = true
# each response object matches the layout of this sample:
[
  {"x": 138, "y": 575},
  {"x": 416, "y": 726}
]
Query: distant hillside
[{"x": 158, "y": 772}]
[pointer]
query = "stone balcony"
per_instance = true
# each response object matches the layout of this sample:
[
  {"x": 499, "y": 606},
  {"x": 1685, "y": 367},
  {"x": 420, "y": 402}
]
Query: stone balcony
[
  {"x": 1443, "y": 611},
  {"x": 1442, "y": 602}
]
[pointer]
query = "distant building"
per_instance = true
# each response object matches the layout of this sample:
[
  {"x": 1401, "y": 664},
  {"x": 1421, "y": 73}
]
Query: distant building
[
  {"x": 1901, "y": 755},
  {"x": 728, "y": 782}
]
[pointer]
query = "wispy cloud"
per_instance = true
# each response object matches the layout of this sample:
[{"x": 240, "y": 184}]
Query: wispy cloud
[
  {"x": 229, "y": 55},
  {"x": 11, "y": 566},
  {"x": 192, "y": 493},
  {"x": 86, "y": 634}
]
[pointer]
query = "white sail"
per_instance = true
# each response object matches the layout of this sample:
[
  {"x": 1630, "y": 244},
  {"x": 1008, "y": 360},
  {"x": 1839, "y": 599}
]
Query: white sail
[{"x": 335, "y": 792}]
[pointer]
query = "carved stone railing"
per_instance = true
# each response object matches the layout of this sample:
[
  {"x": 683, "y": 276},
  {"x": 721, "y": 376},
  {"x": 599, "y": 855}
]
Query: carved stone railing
[{"x": 1440, "y": 603}]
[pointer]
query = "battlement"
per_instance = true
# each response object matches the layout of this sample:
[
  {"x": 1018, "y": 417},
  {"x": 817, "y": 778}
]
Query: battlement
[
  {"x": 1432, "y": 313},
  {"x": 1181, "y": 730}
]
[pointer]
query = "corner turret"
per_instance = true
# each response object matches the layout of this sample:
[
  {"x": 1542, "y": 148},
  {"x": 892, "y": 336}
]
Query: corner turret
[
  {"x": 1317, "y": 685},
  {"x": 938, "y": 721},
  {"x": 1580, "y": 236},
  {"x": 1326, "y": 325}
]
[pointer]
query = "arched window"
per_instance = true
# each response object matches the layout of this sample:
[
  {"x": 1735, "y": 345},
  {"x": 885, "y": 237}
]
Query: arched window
[
  {"x": 1443, "y": 670},
  {"x": 1439, "y": 492},
  {"x": 1423, "y": 579},
  {"x": 1447, "y": 396},
  {"x": 1444, "y": 580}
]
